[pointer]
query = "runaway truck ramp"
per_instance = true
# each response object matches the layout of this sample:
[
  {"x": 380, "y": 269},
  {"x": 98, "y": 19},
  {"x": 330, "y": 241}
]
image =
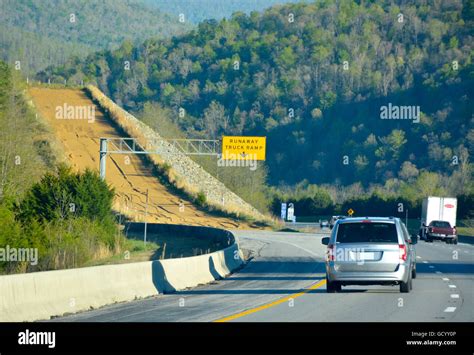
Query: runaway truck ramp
[
  {"x": 192, "y": 177},
  {"x": 139, "y": 192}
]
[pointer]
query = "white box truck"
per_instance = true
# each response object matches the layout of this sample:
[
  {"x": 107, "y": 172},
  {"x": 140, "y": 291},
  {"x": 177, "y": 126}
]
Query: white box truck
[{"x": 438, "y": 219}]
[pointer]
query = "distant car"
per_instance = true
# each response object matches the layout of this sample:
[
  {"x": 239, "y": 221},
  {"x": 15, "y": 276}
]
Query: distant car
[
  {"x": 440, "y": 230},
  {"x": 370, "y": 251},
  {"x": 324, "y": 224},
  {"x": 333, "y": 221}
]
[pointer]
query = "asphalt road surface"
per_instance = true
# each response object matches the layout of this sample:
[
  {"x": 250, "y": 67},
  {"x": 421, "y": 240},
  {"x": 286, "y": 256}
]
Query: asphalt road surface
[{"x": 284, "y": 281}]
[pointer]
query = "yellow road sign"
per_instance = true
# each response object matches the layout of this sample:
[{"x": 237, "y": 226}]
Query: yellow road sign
[
  {"x": 243, "y": 148},
  {"x": 350, "y": 212}
]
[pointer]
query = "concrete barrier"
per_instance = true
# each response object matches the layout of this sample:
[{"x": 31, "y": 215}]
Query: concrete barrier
[{"x": 41, "y": 295}]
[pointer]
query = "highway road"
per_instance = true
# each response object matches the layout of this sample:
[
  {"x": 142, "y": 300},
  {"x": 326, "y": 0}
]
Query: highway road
[{"x": 284, "y": 281}]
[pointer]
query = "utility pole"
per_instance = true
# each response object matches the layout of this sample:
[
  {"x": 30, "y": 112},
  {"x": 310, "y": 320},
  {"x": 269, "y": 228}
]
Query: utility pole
[{"x": 146, "y": 215}]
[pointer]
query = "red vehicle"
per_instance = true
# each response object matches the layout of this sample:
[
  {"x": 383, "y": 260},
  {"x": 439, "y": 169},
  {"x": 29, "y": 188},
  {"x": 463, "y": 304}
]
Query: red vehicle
[{"x": 441, "y": 230}]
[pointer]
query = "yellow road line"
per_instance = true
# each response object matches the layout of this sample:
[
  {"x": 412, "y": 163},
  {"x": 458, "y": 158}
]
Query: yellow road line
[{"x": 271, "y": 304}]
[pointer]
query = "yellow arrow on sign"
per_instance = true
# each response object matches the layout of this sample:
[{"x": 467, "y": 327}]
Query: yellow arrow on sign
[{"x": 350, "y": 212}]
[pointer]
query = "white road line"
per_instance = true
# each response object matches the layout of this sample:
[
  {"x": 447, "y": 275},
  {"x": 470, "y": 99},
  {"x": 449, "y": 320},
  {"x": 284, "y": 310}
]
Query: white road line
[
  {"x": 454, "y": 295},
  {"x": 431, "y": 267},
  {"x": 438, "y": 272},
  {"x": 450, "y": 309},
  {"x": 452, "y": 286},
  {"x": 445, "y": 279},
  {"x": 418, "y": 257},
  {"x": 425, "y": 262}
]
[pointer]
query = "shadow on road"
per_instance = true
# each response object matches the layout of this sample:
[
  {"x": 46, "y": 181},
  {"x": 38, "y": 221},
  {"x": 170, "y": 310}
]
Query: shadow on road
[
  {"x": 253, "y": 278},
  {"x": 294, "y": 265},
  {"x": 274, "y": 278},
  {"x": 445, "y": 267}
]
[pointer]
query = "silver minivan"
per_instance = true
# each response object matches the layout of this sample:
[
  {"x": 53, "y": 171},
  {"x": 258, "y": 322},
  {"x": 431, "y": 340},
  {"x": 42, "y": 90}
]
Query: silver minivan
[{"x": 370, "y": 251}]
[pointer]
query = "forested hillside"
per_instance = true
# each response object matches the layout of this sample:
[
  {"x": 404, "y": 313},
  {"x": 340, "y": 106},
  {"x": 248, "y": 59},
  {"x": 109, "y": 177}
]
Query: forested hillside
[
  {"x": 315, "y": 85},
  {"x": 41, "y": 33}
]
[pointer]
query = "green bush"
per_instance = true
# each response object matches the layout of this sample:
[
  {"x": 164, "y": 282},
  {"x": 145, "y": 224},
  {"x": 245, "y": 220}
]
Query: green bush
[
  {"x": 63, "y": 194},
  {"x": 10, "y": 233},
  {"x": 67, "y": 217}
]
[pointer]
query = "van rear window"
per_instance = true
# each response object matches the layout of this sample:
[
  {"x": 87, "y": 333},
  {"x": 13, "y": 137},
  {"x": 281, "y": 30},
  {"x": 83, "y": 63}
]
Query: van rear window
[{"x": 376, "y": 232}]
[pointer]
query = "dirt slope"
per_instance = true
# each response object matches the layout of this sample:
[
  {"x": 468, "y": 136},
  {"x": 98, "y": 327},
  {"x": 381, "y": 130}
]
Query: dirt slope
[{"x": 130, "y": 177}]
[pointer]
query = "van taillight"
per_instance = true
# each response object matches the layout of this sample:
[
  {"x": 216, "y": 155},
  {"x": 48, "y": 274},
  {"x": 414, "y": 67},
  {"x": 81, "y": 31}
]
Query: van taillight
[
  {"x": 403, "y": 252},
  {"x": 331, "y": 252}
]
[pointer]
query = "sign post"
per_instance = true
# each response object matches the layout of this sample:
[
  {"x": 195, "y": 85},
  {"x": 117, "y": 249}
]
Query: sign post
[{"x": 146, "y": 215}]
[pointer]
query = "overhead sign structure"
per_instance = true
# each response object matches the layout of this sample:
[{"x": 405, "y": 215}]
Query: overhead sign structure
[
  {"x": 153, "y": 146},
  {"x": 243, "y": 148}
]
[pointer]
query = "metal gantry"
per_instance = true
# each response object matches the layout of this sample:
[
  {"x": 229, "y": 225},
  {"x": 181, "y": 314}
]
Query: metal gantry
[
  {"x": 132, "y": 146},
  {"x": 196, "y": 146}
]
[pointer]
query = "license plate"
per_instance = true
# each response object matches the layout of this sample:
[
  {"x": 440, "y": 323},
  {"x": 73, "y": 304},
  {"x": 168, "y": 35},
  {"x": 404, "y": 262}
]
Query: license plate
[
  {"x": 362, "y": 256},
  {"x": 366, "y": 256}
]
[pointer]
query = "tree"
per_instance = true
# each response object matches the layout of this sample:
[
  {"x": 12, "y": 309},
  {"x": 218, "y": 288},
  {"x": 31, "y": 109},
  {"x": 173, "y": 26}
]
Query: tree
[
  {"x": 352, "y": 63},
  {"x": 63, "y": 195},
  {"x": 287, "y": 57},
  {"x": 391, "y": 145},
  {"x": 214, "y": 119},
  {"x": 408, "y": 171},
  {"x": 316, "y": 113},
  {"x": 426, "y": 184}
]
